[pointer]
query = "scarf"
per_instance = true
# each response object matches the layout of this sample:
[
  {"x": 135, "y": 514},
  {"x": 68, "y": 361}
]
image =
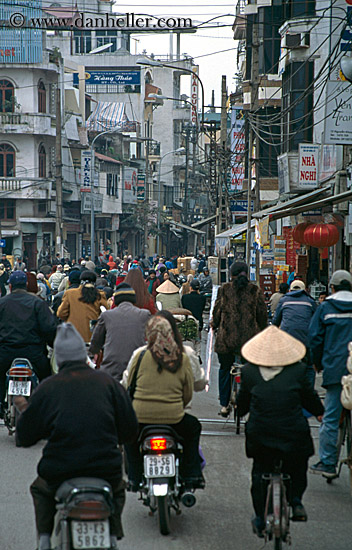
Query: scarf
[{"x": 162, "y": 345}]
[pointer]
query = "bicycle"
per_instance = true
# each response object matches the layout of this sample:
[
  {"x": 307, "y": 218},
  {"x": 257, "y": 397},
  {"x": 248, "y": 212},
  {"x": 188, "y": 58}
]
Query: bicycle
[
  {"x": 276, "y": 515},
  {"x": 344, "y": 440},
  {"x": 235, "y": 374}
]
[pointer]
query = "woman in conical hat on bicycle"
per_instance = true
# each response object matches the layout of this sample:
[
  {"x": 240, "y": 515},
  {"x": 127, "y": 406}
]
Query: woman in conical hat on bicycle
[{"x": 274, "y": 388}]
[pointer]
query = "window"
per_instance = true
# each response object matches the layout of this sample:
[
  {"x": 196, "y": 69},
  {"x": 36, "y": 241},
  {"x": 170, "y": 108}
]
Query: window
[
  {"x": 7, "y": 161},
  {"x": 108, "y": 37},
  {"x": 7, "y": 210},
  {"x": 41, "y": 98},
  {"x": 294, "y": 8},
  {"x": 7, "y": 96},
  {"x": 270, "y": 148},
  {"x": 83, "y": 41},
  {"x": 42, "y": 162},
  {"x": 297, "y": 105},
  {"x": 112, "y": 185},
  {"x": 270, "y": 20}
]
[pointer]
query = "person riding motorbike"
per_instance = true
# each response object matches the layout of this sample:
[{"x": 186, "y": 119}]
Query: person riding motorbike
[
  {"x": 164, "y": 387},
  {"x": 86, "y": 447},
  {"x": 81, "y": 305},
  {"x": 26, "y": 327}
]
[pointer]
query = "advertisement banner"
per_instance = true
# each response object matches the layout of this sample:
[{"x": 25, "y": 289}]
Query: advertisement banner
[
  {"x": 86, "y": 166},
  {"x": 194, "y": 96},
  {"x": 308, "y": 165},
  {"x": 140, "y": 187},
  {"x": 338, "y": 116},
  {"x": 330, "y": 161},
  {"x": 86, "y": 203},
  {"x": 110, "y": 77},
  {"x": 129, "y": 185},
  {"x": 237, "y": 148}
]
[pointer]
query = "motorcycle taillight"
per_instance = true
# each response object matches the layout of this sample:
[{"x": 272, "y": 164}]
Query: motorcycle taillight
[
  {"x": 20, "y": 371},
  {"x": 158, "y": 444},
  {"x": 238, "y": 378},
  {"x": 89, "y": 510}
]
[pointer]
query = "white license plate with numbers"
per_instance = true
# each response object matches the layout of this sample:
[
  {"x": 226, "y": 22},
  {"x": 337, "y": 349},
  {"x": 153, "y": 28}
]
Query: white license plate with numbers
[
  {"x": 159, "y": 465},
  {"x": 18, "y": 387},
  {"x": 90, "y": 534}
]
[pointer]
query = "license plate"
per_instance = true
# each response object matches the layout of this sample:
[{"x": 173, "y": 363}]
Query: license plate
[
  {"x": 17, "y": 387},
  {"x": 159, "y": 465},
  {"x": 90, "y": 534}
]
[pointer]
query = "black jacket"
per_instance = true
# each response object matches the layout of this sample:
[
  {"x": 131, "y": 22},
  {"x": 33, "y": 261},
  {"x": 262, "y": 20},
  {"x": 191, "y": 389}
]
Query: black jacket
[
  {"x": 26, "y": 323},
  {"x": 195, "y": 303},
  {"x": 276, "y": 421},
  {"x": 84, "y": 414}
]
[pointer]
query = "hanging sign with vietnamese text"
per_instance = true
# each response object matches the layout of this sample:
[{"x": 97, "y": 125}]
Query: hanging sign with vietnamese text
[{"x": 308, "y": 165}]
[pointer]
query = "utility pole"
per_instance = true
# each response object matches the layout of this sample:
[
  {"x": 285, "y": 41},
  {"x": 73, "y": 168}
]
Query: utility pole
[
  {"x": 185, "y": 207},
  {"x": 58, "y": 176},
  {"x": 146, "y": 204},
  {"x": 251, "y": 139}
]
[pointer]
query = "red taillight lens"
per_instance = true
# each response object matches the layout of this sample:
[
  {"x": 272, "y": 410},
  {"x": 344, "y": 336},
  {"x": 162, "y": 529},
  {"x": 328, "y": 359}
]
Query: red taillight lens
[
  {"x": 238, "y": 378},
  {"x": 158, "y": 444},
  {"x": 89, "y": 509},
  {"x": 20, "y": 371}
]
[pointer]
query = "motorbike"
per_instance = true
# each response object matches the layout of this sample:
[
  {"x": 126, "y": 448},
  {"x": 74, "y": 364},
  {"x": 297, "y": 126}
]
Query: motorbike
[
  {"x": 162, "y": 488},
  {"x": 84, "y": 506},
  {"x": 20, "y": 380}
]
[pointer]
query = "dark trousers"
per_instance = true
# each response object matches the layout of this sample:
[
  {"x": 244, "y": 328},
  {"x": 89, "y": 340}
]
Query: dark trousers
[
  {"x": 226, "y": 361},
  {"x": 40, "y": 364},
  {"x": 44, "y": 502},
  {"x": 189, "y": 429},
  {"x": 294, "y": 465}
]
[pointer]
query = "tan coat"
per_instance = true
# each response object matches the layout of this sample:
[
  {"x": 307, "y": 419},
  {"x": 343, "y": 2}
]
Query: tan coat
[
  {"x": 72, "y": 310},
  {"x": 169, "y": 301},
  {"x": 160, "y": 397}
]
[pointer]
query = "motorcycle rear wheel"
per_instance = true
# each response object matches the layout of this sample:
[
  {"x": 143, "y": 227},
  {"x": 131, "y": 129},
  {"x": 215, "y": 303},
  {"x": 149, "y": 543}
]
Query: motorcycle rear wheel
[{"x": 163, "y": 515}]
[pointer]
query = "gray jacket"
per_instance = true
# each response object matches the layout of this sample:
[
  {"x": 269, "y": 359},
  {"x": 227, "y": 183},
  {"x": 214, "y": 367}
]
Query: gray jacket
[{"x": 119, "y": 332}]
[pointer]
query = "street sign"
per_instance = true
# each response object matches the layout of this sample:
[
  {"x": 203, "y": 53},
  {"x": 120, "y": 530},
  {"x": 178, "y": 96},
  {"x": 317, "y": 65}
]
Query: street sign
[
  {"x": 239, "y": 208},
  {"x": 140, "y": 187}
]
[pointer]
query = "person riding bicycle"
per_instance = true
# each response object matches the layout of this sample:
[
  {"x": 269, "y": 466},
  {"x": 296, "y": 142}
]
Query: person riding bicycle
[{"x": 274, "y": 388}]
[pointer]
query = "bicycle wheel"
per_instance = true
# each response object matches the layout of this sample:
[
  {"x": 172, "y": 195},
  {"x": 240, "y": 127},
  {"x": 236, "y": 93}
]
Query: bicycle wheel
[
  {"x": 164, "y": 515},
  {"x": 348, "y": 439},
  {"x": 341, "y": 435}
]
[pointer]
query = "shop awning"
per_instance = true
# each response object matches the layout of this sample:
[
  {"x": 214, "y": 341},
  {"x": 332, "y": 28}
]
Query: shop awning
[
  {"x": 333, "y": 199},
  {"x": 187, "y": 227},
  {"x": 106, "y": 158},
  {"x": 108, "y": 116},
  {"x": 303, "y": 200}
]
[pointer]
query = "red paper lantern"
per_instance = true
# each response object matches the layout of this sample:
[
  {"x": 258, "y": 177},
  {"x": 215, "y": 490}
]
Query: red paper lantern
[
  {"x": 321, "y": 235},
  {"x": 298, "y": 232}
]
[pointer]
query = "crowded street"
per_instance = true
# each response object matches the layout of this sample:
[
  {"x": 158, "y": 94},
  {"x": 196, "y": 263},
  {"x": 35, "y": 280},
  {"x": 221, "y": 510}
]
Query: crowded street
[{"x": 221, "y": 516}]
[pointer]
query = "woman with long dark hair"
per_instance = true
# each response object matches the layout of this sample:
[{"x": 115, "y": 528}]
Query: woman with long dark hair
[
  {"x": 81, "y": 305},
  {"x": 144, "y": 300},
  {"x": 239, "y": 314},
  {"x": 164, "y": 387}
]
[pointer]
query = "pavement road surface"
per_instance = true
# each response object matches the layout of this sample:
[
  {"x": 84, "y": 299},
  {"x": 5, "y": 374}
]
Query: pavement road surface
[{"x": 221, "y": 518}]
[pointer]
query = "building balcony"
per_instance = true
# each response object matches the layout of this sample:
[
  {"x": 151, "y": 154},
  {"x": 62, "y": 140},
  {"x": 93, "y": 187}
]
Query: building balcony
[
  {"x": 25, "y": 123},
  {"x": 25, "y": 188}
]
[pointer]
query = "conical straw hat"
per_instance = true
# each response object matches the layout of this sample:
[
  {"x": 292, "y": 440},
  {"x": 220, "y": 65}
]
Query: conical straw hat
[
  {"x": 273, "y": 348},
  {"x": 167, "y": 287}
]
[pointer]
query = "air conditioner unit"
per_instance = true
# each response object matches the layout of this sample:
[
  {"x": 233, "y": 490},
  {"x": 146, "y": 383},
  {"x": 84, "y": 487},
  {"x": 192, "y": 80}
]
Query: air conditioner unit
[{"x": 297, "y": 40}]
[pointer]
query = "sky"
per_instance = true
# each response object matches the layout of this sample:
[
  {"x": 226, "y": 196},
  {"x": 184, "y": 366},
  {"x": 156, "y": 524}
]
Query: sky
[{"x": 202, "y": 46}]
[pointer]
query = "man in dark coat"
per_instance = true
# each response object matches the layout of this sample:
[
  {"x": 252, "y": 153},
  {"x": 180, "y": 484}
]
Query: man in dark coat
[
  {"x": 329, "y": 334},
  {"x": 26, "y": 327},
  {"x": 85, "y": 415},
  {"x": 239, "y": 313},
  {"x": 194, "y": 302},
  {"x": 119, "y": 331},
  {"x": 274, "y": 388}
]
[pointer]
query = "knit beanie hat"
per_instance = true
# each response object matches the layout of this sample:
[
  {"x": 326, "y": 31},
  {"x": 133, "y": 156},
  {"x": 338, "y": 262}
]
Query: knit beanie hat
[
  {"x": 124, "y": 293},
  {"x": 69, "y": 345},
  {"x": 74, "y": 276}
]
